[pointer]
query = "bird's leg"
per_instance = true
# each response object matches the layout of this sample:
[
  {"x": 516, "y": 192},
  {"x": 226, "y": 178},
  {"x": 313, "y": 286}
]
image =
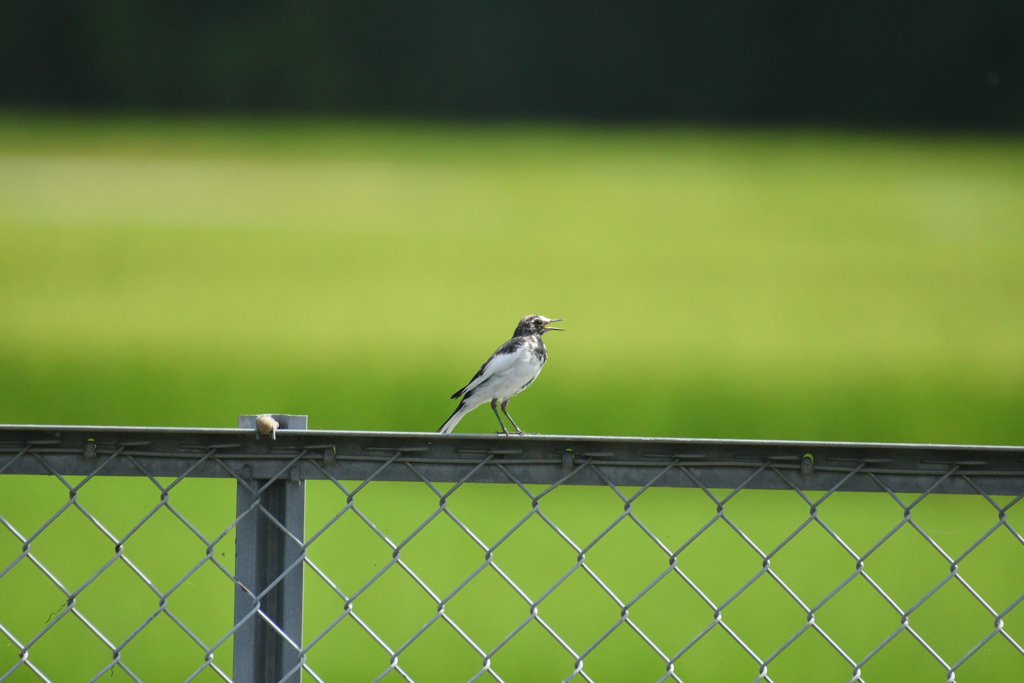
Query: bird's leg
[
  {"x": 504, "y": 409},
  {"x": 494, "y": 407}
]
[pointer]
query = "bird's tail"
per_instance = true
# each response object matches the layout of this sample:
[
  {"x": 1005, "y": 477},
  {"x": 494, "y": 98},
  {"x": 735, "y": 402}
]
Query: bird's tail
[{"x": 450, "y": 423}]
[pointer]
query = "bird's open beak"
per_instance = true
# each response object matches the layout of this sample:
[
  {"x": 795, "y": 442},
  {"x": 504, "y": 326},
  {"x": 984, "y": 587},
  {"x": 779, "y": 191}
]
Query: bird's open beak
[{"x": 553, "y": 329}]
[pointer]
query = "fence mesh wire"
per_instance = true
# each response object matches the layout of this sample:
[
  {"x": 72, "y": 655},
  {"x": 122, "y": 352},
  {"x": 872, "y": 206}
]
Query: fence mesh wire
[{"x": 491, "y": 574}]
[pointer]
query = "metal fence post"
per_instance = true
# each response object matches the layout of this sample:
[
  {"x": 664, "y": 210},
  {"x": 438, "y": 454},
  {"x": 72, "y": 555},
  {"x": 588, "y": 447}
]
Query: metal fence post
[{"x": 262, "y": 553}]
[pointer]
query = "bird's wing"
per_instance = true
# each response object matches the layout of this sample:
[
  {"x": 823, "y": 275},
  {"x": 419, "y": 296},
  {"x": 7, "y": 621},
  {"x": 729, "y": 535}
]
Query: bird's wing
[{"x": 500, "y": 360}]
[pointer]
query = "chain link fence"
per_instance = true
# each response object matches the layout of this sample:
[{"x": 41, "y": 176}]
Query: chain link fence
[{"x": 393, "y": 556}]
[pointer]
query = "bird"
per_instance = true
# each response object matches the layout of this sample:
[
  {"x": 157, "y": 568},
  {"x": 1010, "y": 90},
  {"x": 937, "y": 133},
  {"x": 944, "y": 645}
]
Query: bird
[{"x": 512, "y": 368}]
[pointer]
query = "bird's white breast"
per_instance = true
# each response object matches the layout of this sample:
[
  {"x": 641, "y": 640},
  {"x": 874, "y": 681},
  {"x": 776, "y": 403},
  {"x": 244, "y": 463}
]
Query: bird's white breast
[{"x": 515, "y": 376}]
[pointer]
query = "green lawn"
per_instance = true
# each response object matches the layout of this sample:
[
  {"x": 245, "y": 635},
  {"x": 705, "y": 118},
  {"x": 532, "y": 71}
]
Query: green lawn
[
  {"x": 487, "y": 609},
  {"x": 716, "y": 283}
]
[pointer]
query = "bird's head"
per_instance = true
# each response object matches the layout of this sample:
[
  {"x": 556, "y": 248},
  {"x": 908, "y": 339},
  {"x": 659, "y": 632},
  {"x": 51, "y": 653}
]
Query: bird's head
[{"x": 536, "y": 324}]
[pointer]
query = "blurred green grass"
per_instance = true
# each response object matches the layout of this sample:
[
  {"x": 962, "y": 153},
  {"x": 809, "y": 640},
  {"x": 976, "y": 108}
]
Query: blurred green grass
[
  {"x": 717, "y": 283},
  {"x": 535, "y": 557}
]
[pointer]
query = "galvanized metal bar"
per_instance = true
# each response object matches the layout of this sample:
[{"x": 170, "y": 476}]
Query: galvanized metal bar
[
  {"x": 625, "y": 461},
  {"x": 263, "y": 552}
]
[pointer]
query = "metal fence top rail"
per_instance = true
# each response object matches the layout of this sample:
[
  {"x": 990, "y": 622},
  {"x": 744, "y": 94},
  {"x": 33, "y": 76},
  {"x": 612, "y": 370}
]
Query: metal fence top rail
[
  {"x": 532, "y": 439},
  {"x": 540, "y": 459}
]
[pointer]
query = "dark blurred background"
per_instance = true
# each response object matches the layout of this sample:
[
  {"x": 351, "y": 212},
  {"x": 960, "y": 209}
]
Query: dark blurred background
[{"x": 872, "y": 63}]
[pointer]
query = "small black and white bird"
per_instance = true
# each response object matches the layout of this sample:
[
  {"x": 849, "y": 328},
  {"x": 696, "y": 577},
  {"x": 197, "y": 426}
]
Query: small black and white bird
[{"x": 512, "y": 368}]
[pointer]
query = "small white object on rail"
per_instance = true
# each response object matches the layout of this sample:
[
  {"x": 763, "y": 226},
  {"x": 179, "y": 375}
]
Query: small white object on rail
[{"x": 265, "y": 424}]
